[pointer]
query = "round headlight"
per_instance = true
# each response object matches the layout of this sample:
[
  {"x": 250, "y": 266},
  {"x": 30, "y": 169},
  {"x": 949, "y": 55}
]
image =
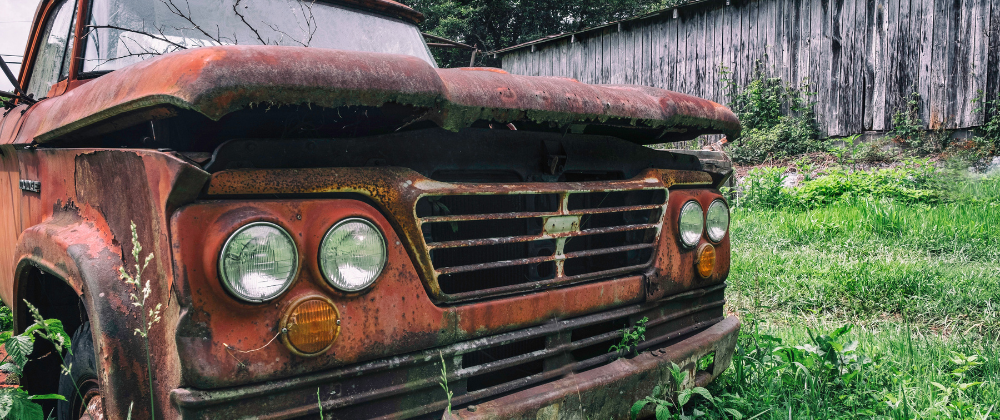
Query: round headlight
[
  {"x": 692, "y": 223},
  {"x": 717, "y": 222},
  {"x": 352, "y": 254},
  {"x": 258, "y": 262}
]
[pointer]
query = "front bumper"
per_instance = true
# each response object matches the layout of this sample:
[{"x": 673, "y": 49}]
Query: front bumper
[
  {"x": 609, "y": 391},
  {"x": 606, "y": 391}
]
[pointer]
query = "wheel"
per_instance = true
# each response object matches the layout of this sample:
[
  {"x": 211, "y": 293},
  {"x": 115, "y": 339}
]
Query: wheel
[{"x": 85, "y": 404}]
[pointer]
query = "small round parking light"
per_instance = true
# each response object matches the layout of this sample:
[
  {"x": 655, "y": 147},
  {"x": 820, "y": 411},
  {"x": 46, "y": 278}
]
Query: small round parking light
[
  {"x": 311, "y": 326},
  {"x": 705, "y": 260}
]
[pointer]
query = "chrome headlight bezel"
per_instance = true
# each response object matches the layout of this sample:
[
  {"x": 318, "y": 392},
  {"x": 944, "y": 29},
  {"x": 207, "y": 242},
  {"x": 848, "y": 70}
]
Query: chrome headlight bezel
[
  {"x": 688, "y": 238},
  {"x": 381, "y": 266},
  {"x": 293, "y": 274},
  {"x": 708, "y": 221}
]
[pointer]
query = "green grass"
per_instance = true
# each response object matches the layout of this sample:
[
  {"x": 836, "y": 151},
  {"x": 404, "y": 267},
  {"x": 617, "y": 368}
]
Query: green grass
[
  {"x": 918, "y": 280},
  {"x": 906, "y": 361},
  {"x": 868, "y": 260}
]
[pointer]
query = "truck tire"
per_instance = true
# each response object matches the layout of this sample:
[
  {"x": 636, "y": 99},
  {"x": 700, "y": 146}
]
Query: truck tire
[{"x": 82, "y": 377}]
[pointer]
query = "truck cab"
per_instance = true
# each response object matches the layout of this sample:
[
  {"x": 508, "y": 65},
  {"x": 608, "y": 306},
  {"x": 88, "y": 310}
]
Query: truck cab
[{"x": 326, "y": 222}]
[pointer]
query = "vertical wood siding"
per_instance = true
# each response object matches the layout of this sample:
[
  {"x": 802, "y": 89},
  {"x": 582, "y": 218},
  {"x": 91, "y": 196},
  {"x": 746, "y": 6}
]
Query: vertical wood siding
[{"x": 862, "y": 58}]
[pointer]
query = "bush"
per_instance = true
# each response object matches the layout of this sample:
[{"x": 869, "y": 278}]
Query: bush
[
  {"x": 763, "y": 187},
  {"x": 912, "y": 184},
  {"x": 777, "y": 121},
  {"x": 916, "y": 182}
]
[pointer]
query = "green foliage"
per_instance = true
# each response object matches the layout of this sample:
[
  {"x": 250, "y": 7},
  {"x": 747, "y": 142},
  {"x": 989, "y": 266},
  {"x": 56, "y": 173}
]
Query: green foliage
[
  {"x": 917, "y": 181},
  {"x": 664, "y": 401},
  {"x": 763, "y": 188},
  {"x": 782, "y": 373},
  {"x": 987, "y": 141},
  {"x": 443, "y": 381},
  {"x": 905, "y": 184},
  {"x": 661, "y": 405},
  {"x": 778, "y": 121},
  {"x": 917, "y": 279},
  {"x": 6, "y": 318},
  {"x": 631, "y": 337},
  {"x": 319, "y": 403},
  {"x": 848, "y": 152},
  {"x": 16, "y": 403},
  {"x": 494, "y": 24},
  {"x": 910, "y": 130},
  {"x": 907, "y": 124},
  {"x": 805, "y": 167}
]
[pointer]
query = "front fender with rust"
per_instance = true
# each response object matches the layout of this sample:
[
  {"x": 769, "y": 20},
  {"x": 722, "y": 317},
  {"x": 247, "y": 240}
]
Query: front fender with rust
[{"x": 79, "y": 229}]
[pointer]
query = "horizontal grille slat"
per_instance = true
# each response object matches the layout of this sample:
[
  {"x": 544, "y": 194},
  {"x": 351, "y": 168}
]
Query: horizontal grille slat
[
  {"x": 527, "y": 215},
  {"x": 481, "y": 245},
  {"x": 536, "y": 260},
  {"x": 514, "y": 239}
]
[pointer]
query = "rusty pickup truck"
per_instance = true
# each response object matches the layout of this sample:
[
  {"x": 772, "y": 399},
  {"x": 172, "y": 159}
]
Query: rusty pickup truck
[{"x": 329, "y": 219}]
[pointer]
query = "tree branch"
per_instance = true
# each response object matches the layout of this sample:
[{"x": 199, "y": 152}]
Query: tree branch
[
  {"x": 244, "y": 19},
  {"x": 158, "y": 38}
]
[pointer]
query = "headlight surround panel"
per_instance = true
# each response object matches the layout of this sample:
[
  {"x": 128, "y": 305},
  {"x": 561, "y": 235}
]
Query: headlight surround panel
[{"x": 258, "y": 262}]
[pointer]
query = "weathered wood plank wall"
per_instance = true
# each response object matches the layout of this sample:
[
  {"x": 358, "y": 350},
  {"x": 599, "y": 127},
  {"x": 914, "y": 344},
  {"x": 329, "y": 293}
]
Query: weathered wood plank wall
[{"x": 862, "y": 58}]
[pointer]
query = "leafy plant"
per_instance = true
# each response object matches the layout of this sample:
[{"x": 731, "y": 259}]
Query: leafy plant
[
  {"x": 763, "y": 187},
  {"x": 911, "y": 183},
  {"x": 16, "y": 403},
  {"x": 659, "y": 400},
  {"x": 881, "y": 250},
  {"x": 141, "y": 300},
  {"x": 664, "y": 403},
  {"x": 805, "y": 167},
  {"x": 848, "y": 152},
  {"x": 631, "y": 337},
  {"x": 909, "y": 128}
]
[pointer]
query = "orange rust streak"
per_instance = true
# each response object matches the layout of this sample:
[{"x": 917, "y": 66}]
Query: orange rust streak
[{"x": 520, "y": 311}]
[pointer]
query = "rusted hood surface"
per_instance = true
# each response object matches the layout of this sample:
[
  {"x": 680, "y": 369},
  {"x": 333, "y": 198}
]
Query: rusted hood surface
[{"x": 216, "y": 81}]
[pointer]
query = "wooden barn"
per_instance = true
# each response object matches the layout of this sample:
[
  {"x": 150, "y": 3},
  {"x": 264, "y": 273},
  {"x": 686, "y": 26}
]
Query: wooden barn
[{"x": 862, "y": 58}]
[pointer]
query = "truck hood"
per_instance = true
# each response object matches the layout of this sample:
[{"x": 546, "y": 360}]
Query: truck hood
[{"x": 216, "y": 81}]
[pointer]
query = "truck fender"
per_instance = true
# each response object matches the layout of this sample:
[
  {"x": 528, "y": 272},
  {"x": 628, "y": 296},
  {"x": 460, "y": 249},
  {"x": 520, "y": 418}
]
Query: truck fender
[{"x": 85, "y": 255}]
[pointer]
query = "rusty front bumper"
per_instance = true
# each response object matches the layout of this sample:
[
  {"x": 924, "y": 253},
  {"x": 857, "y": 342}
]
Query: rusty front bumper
[
  {"x": 606, "y": 391},
  {"x": 609, "y": 391}
]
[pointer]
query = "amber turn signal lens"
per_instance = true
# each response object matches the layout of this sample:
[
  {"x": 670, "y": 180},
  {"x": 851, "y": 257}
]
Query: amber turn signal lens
[
  {"x": 311, "y": 326},
  {"x": 705, "y": 260}
]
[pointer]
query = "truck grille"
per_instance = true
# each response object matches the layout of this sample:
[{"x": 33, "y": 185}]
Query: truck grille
[{"x": 486, "y": 245}]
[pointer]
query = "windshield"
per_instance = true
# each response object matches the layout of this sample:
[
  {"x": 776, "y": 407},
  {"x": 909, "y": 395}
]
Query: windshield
[{"x": 123, "y": 32}]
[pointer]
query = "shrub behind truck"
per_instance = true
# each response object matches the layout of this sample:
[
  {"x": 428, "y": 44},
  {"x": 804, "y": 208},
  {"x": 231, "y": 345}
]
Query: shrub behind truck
[{"x": 330, "y": 217}]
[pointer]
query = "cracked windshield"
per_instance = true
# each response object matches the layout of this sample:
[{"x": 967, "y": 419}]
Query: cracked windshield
[{"x": 123, "y": 32}]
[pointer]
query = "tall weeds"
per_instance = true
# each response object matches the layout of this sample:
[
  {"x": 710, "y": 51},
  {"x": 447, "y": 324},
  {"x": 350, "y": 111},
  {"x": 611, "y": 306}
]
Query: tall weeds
[{"x": 140, "y": 299}]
